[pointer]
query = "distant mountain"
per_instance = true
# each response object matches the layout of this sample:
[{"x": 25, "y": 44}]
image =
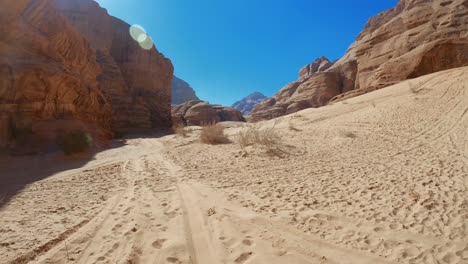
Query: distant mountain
[
  {"x": 246, "y": 105},
  {"x": 182, "y": 92}
]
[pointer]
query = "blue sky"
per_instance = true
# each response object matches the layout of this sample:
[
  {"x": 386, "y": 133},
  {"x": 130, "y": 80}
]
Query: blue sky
[{"x": 227, "y": 49}]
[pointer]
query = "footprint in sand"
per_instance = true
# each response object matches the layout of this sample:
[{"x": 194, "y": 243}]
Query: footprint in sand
[
  {"x": 158, "y": 243},
  {"x": 173, "y": 260},
  {"x": 247, "y": 242},
  {"x": 243, "y": 257}
]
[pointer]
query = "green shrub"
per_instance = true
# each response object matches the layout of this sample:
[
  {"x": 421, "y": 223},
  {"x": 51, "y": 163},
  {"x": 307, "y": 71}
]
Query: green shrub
[{"x": 75, "y": 142}]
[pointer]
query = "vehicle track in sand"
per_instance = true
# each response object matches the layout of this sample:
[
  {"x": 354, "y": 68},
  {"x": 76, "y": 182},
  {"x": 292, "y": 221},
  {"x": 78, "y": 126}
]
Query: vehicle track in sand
[{"x": 163, "y": 216}]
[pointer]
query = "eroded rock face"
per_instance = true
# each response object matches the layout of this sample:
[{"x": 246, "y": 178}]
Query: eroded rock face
[
  {"x": 136, "y": 81},
  {"x": 246, "y": 105},
  {"x": 48, "y": 71},
  {"x": 182, "y": 92},
  {"x": 68, "y": 65},
  {"x": 199, "y": 113},
  {"x": 415, "y": 38},
  {"x": 319, "y": 65}
]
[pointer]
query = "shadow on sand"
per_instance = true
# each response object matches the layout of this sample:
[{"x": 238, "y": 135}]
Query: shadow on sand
[{"x": 16, "y": 172}]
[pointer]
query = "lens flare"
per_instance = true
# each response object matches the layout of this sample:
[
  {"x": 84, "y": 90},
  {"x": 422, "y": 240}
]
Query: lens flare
[{"x": 139, "y": 34}]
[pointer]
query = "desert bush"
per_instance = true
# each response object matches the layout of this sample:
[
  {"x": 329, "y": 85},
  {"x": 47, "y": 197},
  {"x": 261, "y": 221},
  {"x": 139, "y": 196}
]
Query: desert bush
[
  {"x": 253, "y": 135},
  {"x": 74, "y": 141},
  {"x": 180, "y": 130},
  {"x": 213, "y": 135}
]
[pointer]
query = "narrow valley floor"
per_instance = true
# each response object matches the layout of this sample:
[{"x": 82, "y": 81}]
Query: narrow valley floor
[{"x": 380, "y": 178}]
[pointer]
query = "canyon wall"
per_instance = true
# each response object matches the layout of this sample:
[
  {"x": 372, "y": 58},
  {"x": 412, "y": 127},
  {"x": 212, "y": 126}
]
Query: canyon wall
[
  {"x": 69, "y": 65},
  {"x": 415, "y": 38}
]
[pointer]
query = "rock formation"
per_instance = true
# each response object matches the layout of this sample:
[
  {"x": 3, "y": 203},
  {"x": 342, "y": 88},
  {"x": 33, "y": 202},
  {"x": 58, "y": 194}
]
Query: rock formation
[
  {"x": 68, "y": 64},
  {"x": 199, "y": 113},
  {"x": 182, "y": 92},
  {"x": 319, "y": 65},
  {"x": 415, "y": 38},
  {"x": 246, "y": 105},
  {"x": 136, "y": 81}
]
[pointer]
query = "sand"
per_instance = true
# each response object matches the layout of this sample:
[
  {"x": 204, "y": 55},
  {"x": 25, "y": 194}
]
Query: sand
[{"x": 380, "y": 178}]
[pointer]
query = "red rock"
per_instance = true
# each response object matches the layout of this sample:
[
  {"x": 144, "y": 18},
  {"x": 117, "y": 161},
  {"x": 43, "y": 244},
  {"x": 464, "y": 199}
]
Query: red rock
[
  {"x": 414, "y": 38},
  {"x": 199, "y": 113},
  {"x": 69, "y": 64},
  {"x": 136, "y": 81}
]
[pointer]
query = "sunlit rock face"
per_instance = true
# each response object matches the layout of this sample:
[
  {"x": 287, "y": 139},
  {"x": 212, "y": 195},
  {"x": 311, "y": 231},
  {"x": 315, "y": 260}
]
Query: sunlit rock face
[
  {"x": 200, "y": 113},
  {"x": 415, "y": 38},
  {"x": 182, "y": 92},
  {"x": 69, "y": 65},
  {"x": 48, "y": 72},
  {"x": 136, "y": 78}
]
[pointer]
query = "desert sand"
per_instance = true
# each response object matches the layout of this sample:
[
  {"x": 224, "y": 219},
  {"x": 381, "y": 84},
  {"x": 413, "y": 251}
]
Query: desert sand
[{"x": 379, "y": 178}]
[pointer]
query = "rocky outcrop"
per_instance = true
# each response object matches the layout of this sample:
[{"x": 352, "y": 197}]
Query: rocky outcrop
[
  {"x": 48, "y": 71},
  {"x": 199, "y": 113},
  {"x": 182, "y": 92},
  {"x": 319, "y": 65},
  {"x": 415, "y": 38},
  {"x": 246, "y": 105},
  {"x": 136, "y": 81},
  {"x": 68, "y": 65}
]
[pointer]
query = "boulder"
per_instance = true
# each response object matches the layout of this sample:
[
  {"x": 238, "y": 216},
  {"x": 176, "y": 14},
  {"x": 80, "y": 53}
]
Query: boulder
[{"x": 200, "y": 113}]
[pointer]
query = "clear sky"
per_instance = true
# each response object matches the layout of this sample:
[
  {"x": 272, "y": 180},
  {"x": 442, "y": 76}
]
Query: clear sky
[{"x": 227, "y": 49}]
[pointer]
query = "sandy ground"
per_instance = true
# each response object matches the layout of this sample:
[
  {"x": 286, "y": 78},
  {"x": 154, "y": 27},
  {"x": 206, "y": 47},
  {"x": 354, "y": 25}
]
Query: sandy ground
[{"x": 381, "y": 178}]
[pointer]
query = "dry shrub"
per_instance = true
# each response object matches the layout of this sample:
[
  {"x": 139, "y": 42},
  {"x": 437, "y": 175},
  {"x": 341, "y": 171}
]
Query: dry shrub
[
  {"x": 180, "y": 130},
  {"x": 213, "y": 135},
  {"x": 253, "y": 135}
]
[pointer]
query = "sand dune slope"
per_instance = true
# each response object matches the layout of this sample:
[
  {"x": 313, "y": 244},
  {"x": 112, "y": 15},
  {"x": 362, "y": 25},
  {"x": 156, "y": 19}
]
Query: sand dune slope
[{"x": 380, "y": 178}]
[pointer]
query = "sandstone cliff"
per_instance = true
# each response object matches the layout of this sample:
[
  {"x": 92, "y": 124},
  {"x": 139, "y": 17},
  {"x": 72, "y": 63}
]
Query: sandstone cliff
[
  {"x": 182, "y": 92},
  {"x": 199, "y": 113},
  {"x": 68, "y": 64},
  {"x": 136, "y": 81},
  {"x": 415, "y": 38},
  {"x": 246, "y": 105}
]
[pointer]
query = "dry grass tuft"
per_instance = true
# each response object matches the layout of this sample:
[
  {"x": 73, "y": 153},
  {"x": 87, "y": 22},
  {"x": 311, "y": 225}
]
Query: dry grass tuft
[
  {"x": 253, "y": 135},
  {"x": 213, "y": 135},
  {"x": 180, "y": 130}
]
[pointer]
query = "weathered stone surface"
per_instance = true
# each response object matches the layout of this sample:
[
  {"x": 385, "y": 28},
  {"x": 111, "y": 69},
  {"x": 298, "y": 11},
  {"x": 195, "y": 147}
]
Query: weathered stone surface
[
  {"x": 199, "y": 113},
  {"x": 246, "y": 105},
  {"x": 182, "y": 92},
  {"x": 136, "y": 81},
  {"x": 68, "y": 64},
  {"x": 319, "y": 65},
  {"x": 48, "y": 71},
  {"x": 415, "y": 38}
]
